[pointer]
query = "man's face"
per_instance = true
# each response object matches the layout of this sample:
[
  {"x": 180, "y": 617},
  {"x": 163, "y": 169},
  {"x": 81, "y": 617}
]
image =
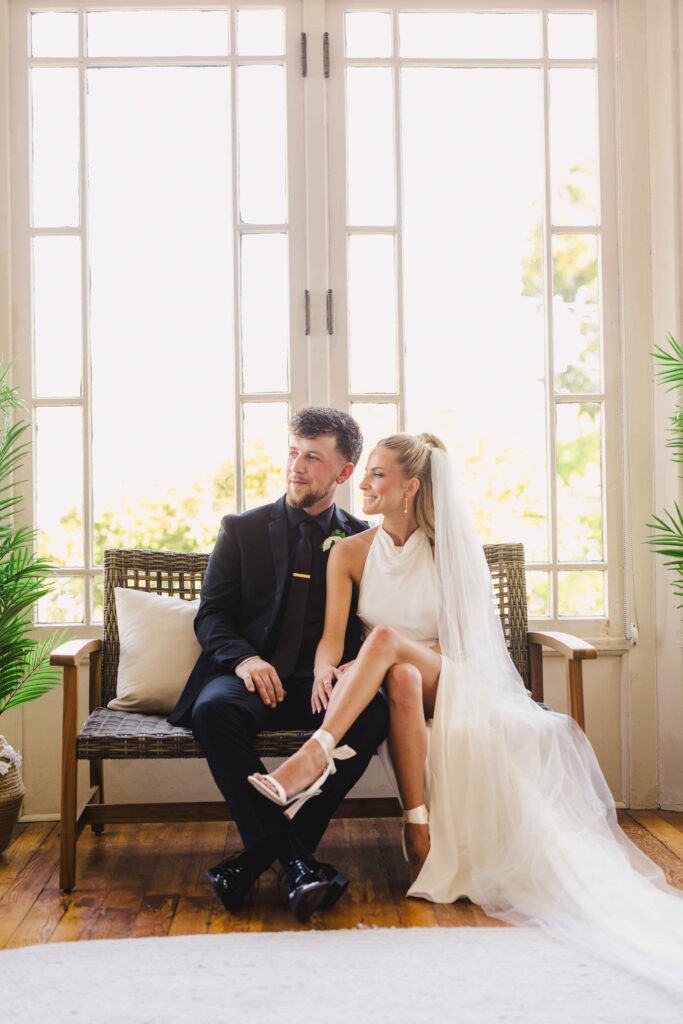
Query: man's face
[{"x": 314, "y": 469}]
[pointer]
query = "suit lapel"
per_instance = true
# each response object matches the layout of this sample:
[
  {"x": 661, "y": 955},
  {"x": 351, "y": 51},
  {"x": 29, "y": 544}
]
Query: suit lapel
[{"x": 278, "y": 533}]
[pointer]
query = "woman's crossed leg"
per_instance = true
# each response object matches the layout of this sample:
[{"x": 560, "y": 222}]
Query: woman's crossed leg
[{"x": 410, "y": 672}]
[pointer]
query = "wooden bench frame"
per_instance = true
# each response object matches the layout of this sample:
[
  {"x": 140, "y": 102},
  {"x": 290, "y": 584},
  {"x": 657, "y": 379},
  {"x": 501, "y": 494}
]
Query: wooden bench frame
[{"x": 166, "y": 572}]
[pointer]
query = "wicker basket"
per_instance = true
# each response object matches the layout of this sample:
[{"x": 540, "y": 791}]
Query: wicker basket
[{"x": 11, "y": 794}]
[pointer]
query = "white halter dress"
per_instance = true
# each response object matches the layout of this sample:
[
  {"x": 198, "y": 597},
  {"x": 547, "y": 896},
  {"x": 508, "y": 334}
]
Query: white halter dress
[
  {"x": 504, "y": 831},
  {"x": 398, "y": 589}
]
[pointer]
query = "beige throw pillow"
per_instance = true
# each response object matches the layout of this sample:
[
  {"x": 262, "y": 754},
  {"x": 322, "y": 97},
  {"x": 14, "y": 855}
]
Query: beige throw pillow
[{"x": 158, "y": 650}]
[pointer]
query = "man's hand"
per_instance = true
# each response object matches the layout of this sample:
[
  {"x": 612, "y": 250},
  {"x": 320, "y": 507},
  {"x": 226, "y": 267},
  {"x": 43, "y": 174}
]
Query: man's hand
[
  {"x": 261, "y": 677},
  {"x": 323, "y": 682}
]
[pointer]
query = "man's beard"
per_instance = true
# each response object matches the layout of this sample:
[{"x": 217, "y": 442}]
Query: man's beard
[{"x": 301, "y": 498}]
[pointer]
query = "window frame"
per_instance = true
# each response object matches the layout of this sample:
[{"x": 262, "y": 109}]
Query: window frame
[
  {"x": 318, "y": 361},
  {"x": 613, "y": 623}
]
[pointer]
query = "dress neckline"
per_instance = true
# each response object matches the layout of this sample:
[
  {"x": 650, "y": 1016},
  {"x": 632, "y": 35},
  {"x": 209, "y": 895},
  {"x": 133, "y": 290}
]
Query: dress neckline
[{"x": 389, "y": 544}]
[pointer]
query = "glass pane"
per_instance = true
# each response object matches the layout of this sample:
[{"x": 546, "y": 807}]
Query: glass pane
[
  {"x": 260, "y": 33},
  {"x": 66, "y": 603},
  {"x": 368, "y": 34},
  {"x": 265, "y": 313},
  {"x": 574, "y": 146},
  {"x": 54, "y": 147},
  {"x": 160, "y": 220},
  {"x": 571, "y": 34},
  {"x": 157, "y": 33},
  {"x": 59, "y": 484},
  {"x": 262, "y": 131},
  {"x": 581, "y": 594},
  {"x": 472, "y": 278},
  {"x": 377, "y": 420},
  {"x": 54, "y": 34},
  {"x": 460, "y": 34},
  {"x": 538, "y": 594},
  {"x": 372, "y": 313},
  {"x": 579, "y": 483},
  {"x": 576, "y": 314},
  {"x": 57, "y": 316},
  {"x": 370, "y": 146},
  {"x": 98, "y": 599},
  {"x": 265, "y": 451}
]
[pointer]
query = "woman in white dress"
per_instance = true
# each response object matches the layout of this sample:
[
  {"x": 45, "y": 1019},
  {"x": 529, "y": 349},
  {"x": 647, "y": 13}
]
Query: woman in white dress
[{"x": 504, "y": 801}]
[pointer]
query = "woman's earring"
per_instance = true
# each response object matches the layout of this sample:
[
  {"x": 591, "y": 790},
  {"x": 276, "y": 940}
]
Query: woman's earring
[{"x": 405, "y": 506}]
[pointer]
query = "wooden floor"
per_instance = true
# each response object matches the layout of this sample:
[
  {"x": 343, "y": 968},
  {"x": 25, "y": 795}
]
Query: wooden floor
[{"x": 140, "y": 880}]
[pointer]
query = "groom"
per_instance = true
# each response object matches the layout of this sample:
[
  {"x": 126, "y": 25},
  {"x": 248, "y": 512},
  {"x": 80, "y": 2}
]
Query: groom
[{"x": 260, "y": 619}]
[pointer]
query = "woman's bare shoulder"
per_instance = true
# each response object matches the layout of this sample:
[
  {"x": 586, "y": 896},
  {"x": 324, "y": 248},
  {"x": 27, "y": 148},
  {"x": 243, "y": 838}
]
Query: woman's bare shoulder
[
  {"x": 361, "y": 541},
  {"x": 352, "y": 551}
]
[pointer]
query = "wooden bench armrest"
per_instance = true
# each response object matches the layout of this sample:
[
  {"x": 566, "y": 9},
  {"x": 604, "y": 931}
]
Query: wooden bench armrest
[
  {"x": 73, "y": 651},
  {"x": 575, "y": 652},
  {"x": 571, "y": 646}
]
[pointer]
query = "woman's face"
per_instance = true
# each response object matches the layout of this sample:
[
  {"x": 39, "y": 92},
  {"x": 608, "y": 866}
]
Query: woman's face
[{"x": 384, "y": 487}]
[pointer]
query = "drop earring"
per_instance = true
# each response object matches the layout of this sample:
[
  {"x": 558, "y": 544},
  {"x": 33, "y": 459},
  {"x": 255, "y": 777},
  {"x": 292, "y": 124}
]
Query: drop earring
[{"x": 405, "y": 506}]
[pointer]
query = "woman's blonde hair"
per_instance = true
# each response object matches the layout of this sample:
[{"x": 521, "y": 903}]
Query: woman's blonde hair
[{"x": 413, "y": 453}]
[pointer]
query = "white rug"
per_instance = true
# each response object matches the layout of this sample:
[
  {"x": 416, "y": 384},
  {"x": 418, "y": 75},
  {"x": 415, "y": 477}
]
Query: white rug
[{"x": 378, "y": 975}]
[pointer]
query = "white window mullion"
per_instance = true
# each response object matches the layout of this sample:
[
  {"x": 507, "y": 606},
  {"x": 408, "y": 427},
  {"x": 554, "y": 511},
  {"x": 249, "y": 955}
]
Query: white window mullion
[
  {"x": 300, "y": 383},
  {"x": 85, "y": 313},
  {"x": 338, "y": 238},
  {"x": 236, "y": 268},
  {"x": 550, "y": 360},
  {"x": 400, "y": 340}
]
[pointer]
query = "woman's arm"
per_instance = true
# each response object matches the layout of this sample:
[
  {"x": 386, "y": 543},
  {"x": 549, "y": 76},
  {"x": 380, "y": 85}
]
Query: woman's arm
[{"x": 337, "y": 606}]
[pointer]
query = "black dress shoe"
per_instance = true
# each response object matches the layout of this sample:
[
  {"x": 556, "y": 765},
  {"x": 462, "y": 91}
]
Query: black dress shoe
[
  {"x": 233, "y": 880},
  {"x": 338, "y": 884},
  {"x": 309, "y": 887}
]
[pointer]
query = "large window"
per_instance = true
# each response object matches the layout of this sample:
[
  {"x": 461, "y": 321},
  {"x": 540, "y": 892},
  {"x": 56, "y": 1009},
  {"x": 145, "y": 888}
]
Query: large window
[{"x": 172, "y": 227}]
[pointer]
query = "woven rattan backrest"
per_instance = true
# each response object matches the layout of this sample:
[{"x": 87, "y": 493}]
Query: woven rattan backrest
[
  {"x": 160, "y": 572},
  {"x": 180, "y": 575},
  {"x": 506, "y": 562}
]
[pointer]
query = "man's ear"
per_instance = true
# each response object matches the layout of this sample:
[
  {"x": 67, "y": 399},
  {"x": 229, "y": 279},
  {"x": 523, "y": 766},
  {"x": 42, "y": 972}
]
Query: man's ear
[{"x": 345, "y": 473}]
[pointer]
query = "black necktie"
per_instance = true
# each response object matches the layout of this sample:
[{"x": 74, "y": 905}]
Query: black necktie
[{"x": 291, "y": 631}]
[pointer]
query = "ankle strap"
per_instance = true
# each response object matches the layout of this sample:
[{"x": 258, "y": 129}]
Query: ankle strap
[
  {"x": 327, "y": 742},
  {"x": 416, "y": 815}
]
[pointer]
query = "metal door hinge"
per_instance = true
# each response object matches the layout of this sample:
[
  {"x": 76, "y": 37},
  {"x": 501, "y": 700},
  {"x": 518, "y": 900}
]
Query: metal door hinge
[
  {"x": 307, "y": 312},
  {"x": 326, "y": 54},
  {"x": 304, "y": 55},
  {"x": 330, "y": 321}
]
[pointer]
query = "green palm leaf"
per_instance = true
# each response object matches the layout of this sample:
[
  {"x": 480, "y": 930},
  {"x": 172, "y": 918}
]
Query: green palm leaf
[{"x": 25, "y": 577}]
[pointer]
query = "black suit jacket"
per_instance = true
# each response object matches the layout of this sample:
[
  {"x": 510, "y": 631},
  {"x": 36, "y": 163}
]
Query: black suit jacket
[{"x": 242, "y": 592}]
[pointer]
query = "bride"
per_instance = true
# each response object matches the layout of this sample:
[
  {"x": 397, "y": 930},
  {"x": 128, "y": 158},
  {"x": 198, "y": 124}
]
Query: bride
[{"x": 504, "y": 801}]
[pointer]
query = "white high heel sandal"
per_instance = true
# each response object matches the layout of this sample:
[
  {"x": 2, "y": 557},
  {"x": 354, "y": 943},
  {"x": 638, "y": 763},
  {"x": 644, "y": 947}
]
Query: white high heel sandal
[
  {"x": 294, "y": 803},
  {"x": 414, "y": 816}
]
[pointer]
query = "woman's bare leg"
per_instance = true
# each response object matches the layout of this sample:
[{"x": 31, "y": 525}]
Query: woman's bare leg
[
  {"x": 383, "y": 648},
  {"x": 408, "y": 748}
]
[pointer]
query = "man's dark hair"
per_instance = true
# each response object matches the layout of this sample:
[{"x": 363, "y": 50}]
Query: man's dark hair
[{"x": 322, "y": 421}]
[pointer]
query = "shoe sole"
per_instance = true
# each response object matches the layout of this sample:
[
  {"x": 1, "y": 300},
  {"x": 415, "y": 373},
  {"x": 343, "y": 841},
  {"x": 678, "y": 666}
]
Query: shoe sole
[
  {"x": 338, "y": 886},
  {"x": 305, "y": 900}
]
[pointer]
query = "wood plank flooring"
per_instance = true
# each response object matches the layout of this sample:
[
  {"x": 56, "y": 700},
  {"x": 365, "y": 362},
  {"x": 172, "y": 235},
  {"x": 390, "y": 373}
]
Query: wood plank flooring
[{"x": 141, "y": 880}]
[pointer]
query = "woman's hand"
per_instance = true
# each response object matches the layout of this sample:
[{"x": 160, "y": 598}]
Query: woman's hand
[{"x": 323, "y": 681}]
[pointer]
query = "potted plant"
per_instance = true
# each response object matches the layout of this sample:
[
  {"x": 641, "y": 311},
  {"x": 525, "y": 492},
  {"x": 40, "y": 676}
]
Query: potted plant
[
  {"x": 25, "y": 672},
  {"x": 667, "y": 538}
]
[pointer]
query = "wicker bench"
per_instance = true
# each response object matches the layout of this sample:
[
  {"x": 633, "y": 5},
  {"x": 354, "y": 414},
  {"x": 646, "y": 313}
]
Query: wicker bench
[{"x": 117, "y": 735}]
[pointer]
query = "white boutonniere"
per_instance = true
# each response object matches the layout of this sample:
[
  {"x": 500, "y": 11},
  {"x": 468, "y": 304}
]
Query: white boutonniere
[{"x": 332, "y": 539}]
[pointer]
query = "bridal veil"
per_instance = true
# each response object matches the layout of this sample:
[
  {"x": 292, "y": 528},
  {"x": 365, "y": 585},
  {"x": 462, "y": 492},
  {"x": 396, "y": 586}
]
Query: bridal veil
[{"x": 522, "y": 819}]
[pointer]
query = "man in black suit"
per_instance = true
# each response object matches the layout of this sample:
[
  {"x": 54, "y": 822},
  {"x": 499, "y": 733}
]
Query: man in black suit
[{"x": 260, "y": 619}]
